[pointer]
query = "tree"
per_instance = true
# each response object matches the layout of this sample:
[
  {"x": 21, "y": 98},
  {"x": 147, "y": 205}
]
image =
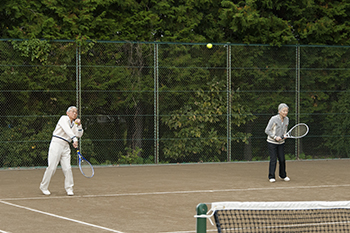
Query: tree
[
  {"x": 285, "y": 22},
  {"x": 337, "y": 123},
  {"x": 198, "y": 127},
  {"x": 125, "y": 70}
]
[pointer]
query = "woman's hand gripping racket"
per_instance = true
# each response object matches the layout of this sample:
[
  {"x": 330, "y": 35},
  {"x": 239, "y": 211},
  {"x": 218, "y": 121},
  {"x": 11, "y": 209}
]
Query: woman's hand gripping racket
[
  {"x": 85, "y": 166},
  {"x": 298, "y": 131}
]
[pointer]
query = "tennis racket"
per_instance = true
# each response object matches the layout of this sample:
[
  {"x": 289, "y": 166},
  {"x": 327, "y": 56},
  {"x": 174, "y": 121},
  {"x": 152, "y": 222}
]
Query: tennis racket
[
  {"x": 298, "y": 131},
  {"x": 85, "y": 166}
]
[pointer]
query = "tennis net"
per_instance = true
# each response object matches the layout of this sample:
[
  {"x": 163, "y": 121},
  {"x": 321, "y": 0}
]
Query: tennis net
[{"x": 262, "y": 217}]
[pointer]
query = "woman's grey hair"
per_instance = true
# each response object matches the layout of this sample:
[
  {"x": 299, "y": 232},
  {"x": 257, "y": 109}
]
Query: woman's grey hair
[
  {"x": 282, "y": 105},
  {"x": 70, "y": 108}
]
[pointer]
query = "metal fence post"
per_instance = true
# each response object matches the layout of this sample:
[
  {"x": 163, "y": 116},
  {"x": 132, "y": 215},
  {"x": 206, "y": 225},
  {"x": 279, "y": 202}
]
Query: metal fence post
[
  {"x": 78, "y": 82},
  {"x": 156, "y": 105},
  {"x": 297, "y": 99},
  {"x": 229, "y": 99}
]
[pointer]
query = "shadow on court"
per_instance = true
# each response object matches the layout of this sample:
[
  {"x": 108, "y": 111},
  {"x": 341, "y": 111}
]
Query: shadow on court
[{"x": 153, "y": 199}]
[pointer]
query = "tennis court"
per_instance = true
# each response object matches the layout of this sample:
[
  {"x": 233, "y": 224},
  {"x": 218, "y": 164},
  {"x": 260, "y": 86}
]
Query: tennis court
[{"x": 155, "y": 199}]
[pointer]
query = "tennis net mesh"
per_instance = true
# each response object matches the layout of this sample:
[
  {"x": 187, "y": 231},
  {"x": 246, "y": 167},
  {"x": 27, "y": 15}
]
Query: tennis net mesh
[{"x": 281, "y": 216}]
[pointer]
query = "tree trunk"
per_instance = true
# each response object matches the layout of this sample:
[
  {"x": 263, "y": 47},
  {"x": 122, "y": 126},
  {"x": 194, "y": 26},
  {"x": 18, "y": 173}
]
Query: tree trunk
[
  {"x": 248, "y": 155},
  {"x": 138, "y": 127}
]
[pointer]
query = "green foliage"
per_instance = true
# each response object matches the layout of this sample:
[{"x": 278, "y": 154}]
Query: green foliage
[
  {"x": 193, "y": 94},
  {"x": 258, "y": 158},
  {"x": 302, "y": 156},
  {"x": 24, "y": 144},
  {"x": 126, "y": 70},
  {"x": 251, "y": 22},
  {"x": 257, "y": 21},
  {"x": 287, "y": 156},
  {"x": 132, "y": 156},
  {"x": 201, "y": 120},
  {"x": 339, "y": 126},
  {"x": 34, "y": 48},
  {"x": 87, "y": 149}
]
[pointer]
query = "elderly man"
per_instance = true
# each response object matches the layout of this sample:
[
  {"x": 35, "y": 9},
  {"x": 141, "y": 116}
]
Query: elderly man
[{"x": 67, "y": 130}]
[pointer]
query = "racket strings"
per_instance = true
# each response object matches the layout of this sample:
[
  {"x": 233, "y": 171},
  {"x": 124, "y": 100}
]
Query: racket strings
[
  {"x": 86, "y": 168},
  {"x": 298, "y": 131}
]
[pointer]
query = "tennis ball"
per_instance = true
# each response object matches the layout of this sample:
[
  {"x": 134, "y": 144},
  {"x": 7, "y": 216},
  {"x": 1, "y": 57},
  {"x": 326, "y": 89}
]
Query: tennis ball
[{"x": 209, "y": 45}]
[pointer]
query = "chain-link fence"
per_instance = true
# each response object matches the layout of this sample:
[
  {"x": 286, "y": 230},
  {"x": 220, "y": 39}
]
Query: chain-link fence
[{"x": 171, "y": 102}]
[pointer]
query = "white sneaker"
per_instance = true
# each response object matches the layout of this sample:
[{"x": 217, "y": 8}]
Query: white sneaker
[
  {"x": 285, "y": 179},
  {"x": 272, "y": 180},
  {"x": 70, "y": 193},
  {"x": 45, "y": 192}
]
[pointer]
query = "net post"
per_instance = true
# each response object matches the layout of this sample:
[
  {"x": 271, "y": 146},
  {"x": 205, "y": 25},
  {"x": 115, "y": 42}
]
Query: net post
[{"x": 201, "y": 226}]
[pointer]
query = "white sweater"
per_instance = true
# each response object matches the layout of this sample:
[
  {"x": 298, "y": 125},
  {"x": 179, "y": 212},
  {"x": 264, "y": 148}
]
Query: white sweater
[
  {"x": 275, "y": 128},
  {"x": 67, "y": 130}
]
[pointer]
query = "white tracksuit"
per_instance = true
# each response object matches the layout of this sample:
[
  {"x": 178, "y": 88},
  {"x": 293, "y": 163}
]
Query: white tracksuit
[{"x": 59, "y": 152}]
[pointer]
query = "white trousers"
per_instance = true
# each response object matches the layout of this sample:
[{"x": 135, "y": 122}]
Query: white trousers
[{"x": 59, "y": 152}]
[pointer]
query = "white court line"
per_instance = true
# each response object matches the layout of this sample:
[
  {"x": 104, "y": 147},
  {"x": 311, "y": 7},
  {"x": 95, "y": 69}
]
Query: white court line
[
  {"x": 61, "y": 217},
  {"x": 153, "y": 193},
  {"x": 177, "y": 192},
  {"x": 4, "y": 231},
  {"x": 208, "y": 230}
]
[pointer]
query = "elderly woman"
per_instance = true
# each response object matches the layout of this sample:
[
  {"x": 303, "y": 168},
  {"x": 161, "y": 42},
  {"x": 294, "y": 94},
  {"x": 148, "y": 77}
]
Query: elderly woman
[{"x": 276, "y": 128}]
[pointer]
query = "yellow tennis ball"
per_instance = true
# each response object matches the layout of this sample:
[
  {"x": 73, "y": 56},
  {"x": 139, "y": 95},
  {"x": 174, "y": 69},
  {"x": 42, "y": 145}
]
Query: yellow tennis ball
[{"x": 209, "y": 45}]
